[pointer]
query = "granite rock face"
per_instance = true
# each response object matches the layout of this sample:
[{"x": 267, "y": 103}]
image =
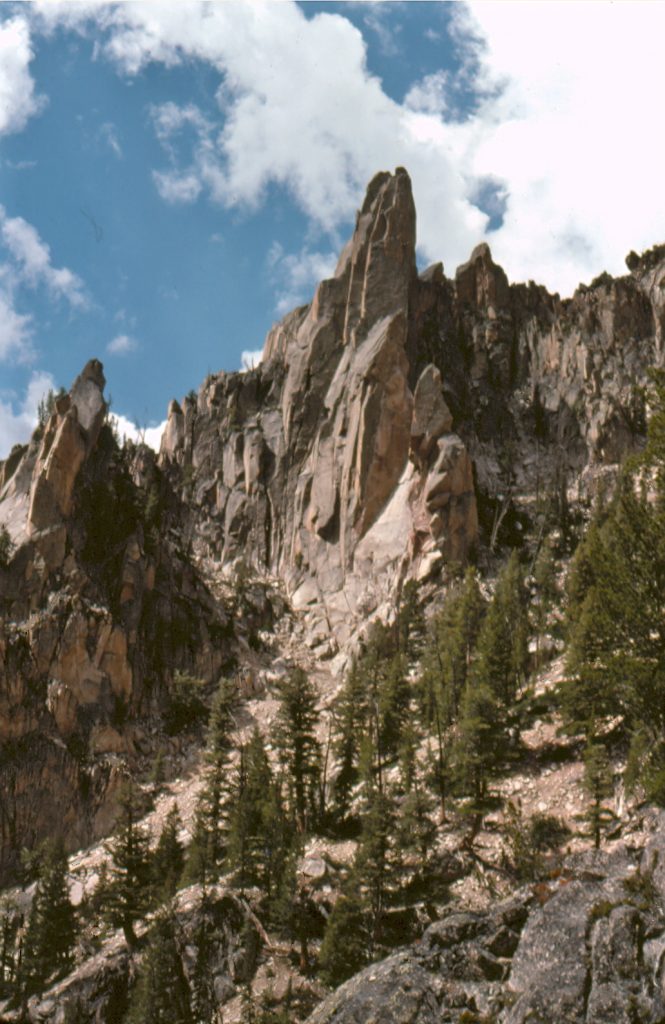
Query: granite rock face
[
  {"x": 586, "y": 949},
  {"x": 388, "y": 422},
  {"x": 97, "y": 613},
  {"x": 389, "y": 416}
]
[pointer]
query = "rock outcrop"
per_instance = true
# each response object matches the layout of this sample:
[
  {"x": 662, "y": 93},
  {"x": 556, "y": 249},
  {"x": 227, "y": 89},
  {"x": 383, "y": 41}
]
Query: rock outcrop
[
  {"x": 384, "y": 436},
  {"x": 99, "y": 610},
  {"x": 586, "y": 948},
  {"x": 391, "y": 416}
]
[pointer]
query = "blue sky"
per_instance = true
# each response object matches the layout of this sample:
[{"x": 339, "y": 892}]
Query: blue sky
[{"x": 175, "y": 177}]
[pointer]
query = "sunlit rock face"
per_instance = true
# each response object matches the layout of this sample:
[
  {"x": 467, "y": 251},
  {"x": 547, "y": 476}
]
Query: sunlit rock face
[{"x": 396, "y": 407}]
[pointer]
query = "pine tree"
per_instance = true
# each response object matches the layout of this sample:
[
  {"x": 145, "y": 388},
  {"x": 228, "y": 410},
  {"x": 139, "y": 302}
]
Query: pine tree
[
  {"x": 161, "y": 995},
  {"x": 480, "y": 749},
  {"x": 446, "y": 664},
  {"x": 344, "y": 950},
  {"x": 545, "y": 579},
  {"x": 248, "y": 802},
  {"x": 298, "y": 747},
  {"x": 351, "y": 714},
  {"x": 502, "y": 652},
  {"x": 168, "y": 859},
  {"x": 50, "y": 935},
  {"x": 373, "y": 864},
  {"x": 599, "y": 785},
  {"x": 128, "y": 896},
  {"x": 208, "y": 847},
  {"x": 416, "y": 831}
]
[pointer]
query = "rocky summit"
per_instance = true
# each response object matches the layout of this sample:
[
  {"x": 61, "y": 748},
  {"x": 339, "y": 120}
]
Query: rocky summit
[{"x": 399, "y": 428}]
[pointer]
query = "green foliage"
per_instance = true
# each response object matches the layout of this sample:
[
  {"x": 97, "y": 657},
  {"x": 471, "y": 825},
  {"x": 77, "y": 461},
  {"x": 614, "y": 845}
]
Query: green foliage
[
  {"x": 168, "y": 859},
  {"x": 344, "y": 949},
  {"x": 208, "y": 847},
  {"x": 529, "y": 840},
  {"x": 6, "y": 547},
  {"x": 298, "y": 748},
  {"x": 502, "y": 651},
  {"x": 50, "y": 935},
  {"x": 128, "y": 894},
  {"x": 161, "y": 995},
  {"x": 258, "y": 836},
  {"x": 599, "y": 783},
  {"x": 46, "y": 406},
  {"x": 480, "y": 749}
]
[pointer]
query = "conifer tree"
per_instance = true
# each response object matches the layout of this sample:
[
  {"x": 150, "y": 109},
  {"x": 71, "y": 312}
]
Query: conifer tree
[
  {"x": 128, "y": 896},
  {"x": 544, "y": 576},
  {"x": 297, "y": 744},
  {"x": 345, "y": 942},
  {"x": 50, "y": 935},
  {"x": 207, "y": 849},
  {"x": 416, "y": 831},
  {"x": 162, "y": 994},
  {"x": 598, "y": 783},
  {"x": 168, "y": 859},
  {"x": 479, "y": 749},
  {"x": 351, "y": 713},
  {"x": 447, "y": 661},
  {"x": 502, "y": 651}
]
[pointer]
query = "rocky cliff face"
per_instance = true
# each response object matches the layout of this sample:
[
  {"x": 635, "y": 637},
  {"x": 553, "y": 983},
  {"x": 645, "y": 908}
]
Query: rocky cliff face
[
  {"x": 396, "y": 425},
  {"x": 586, "y": 948},
  {"x": 395, "y": 408},
  {"x": 98, "y": 611}
]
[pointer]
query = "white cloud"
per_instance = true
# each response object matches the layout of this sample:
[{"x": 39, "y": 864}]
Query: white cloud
[
  {"x": 572, "y": 130},
  {"x": 18, "y": 101},
  {"x": 175, "y": 187},
  {"x": 121, "y": 345},
  {"x": 16, "y": 427},
  {"x": 109, "y": 134},
  {"x": 297, "y": 274},
  {"x": 250, "y": 360},
  {"x": 429, "y": 94},
  {"x": 15, "y": 327},
  {"x": 126, "y": 428},
  {"x": 32, "y": 265},
  {"x": 566, "y": 122}
]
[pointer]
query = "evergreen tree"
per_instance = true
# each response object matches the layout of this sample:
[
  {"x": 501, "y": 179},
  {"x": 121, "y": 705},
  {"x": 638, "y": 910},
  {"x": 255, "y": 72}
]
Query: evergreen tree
[
  {"x": 480, "y": 749},
  {"x": 351, "y": 713},
  {"x": 345, "y": 942},
  {"x": 599, "y": 785},
  {"x": 446, "y": 664},
  {"x": 49, "y": 939},
  {"x": 545, "y": 580},
  {"x": 128, "y": 895},
  {"x": 168, "y": 859},
  {"x": 416, "y": 831},
  {"x": 298, "y": 747},
  {"x": 502, "y": 652},
  {"x": 161, "y": 995},
  {"x": 208, "y": 847},
  {"x": 373, "y": 864}
]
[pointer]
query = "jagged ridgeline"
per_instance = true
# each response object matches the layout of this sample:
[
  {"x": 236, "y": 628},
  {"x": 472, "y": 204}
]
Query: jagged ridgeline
[{"x": 400, "y": 428}]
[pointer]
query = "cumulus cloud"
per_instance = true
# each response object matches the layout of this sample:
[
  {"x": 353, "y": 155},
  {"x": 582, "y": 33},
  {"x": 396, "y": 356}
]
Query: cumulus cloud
[
  {"x": 250, "y": 360},
  {"x": 569, "y": 127},
  {"x": 18, "y": 101},
  {"x": 15, "y": 327},
  {"x": 121, "y": 345},
  {"x": 562, "y": 118},
  {"x": 126, "y": 428},
  {"x": 17, "y": 424},
  {"x": 31, "y": 261},
  {"x": 297, "y": 274}
]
